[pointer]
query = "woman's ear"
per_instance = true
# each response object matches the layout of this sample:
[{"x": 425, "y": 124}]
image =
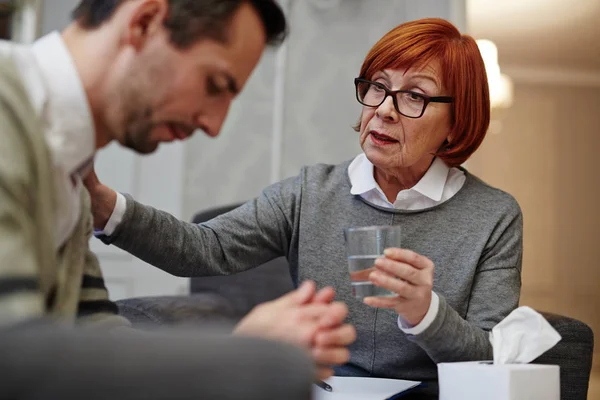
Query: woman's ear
[
  {"x": 449, "y": 139},
  {"x": 446, "y": 144},
  {"x": 356, "y": 126}
]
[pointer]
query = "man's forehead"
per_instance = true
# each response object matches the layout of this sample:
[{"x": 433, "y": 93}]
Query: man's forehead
[{"x": 234, "y": 58}]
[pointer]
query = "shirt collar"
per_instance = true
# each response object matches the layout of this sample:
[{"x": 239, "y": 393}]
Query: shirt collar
[
  {"x": 431, "y": 184},
  {"x": 361, "y": 177},
  {"x": 69, "y": 126}
]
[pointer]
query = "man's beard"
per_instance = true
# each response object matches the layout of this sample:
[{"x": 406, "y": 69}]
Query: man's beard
[{"x": 137, "y": 132}]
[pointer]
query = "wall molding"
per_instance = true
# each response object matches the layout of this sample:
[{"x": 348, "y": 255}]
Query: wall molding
[
  {"x": 26, "y": 21},
  {"x": 278, "y": 126},
  {"x": 552, "y": 75}
]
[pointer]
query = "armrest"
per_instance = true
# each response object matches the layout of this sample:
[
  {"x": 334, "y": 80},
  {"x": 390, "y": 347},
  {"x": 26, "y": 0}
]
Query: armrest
[
  {"x": 573, "y": 354},
  {"x": 196, "y": 309}
]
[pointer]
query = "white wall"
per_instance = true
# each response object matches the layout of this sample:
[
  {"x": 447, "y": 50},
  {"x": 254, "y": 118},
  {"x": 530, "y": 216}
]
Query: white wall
[
  {"x": 317, "y": 106},
  {"x": 56, "y": 14}
]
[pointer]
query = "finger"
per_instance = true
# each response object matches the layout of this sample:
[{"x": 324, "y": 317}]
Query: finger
[
  {"x": 331, "y": 355},
  {"x": 304, "y": 336},
  {"x": 302, "y": 295},
  {"x": 342, "y": 336},
  {"x": 408, "y": 257},
  {"x": 320, "y": 315},
  {"x": 398, "y": 286},
  {"x": 404, "y": 271},
  {"x": 324, "y": 295},
  {"x": 324, "y": 373},
  {"x": 334, "y": 315},
  {"x": 384, "y": 302}
]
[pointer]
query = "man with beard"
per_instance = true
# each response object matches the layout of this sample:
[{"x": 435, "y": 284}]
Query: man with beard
[{"x": 140, "y": 72}]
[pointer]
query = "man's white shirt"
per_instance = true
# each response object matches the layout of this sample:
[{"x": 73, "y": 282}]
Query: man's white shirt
[{"x": 58, "y": 97}]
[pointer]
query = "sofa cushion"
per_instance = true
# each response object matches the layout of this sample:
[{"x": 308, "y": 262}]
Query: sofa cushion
[
  {"x": 197, "y": 309},
  {"x": 247, "y": 289}
]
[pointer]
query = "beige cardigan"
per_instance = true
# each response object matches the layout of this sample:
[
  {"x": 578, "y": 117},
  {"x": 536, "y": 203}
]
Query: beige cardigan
[{"x": 36, "y": 279}]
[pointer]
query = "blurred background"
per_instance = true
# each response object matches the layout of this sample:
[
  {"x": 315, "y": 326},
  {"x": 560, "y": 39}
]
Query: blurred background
[
  {"x": 543, "y": 59},
  {"x": 543, "y": 148}
]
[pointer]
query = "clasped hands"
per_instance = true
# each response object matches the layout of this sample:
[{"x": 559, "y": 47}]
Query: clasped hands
[{"x": 306, "y": 318}]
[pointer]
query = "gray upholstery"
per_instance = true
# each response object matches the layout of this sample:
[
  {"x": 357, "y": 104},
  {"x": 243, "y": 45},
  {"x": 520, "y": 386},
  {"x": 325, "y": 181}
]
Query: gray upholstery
[
  {"x": 228, "y": 298},
  {"x": 574, "y": 355},
  {"x": 247, "y": 289},
  {"x": 197, "y": 309}
]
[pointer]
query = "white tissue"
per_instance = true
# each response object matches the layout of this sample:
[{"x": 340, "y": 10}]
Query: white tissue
[{"x": 522, "y": 336}]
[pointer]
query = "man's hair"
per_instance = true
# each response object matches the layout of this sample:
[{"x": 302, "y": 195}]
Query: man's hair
[{"x": 191, "y": 20}]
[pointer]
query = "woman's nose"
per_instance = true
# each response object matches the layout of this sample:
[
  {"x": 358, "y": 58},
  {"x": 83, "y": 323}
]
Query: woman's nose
[{"x": 387, "y": 111}]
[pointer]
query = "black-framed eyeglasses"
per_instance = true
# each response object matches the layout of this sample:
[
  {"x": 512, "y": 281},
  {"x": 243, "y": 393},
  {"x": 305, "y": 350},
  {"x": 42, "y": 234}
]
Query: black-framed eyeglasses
[{"x": 408, "y": 103}]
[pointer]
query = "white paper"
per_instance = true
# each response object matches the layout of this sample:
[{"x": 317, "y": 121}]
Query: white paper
[
  {"x": 522, "y": 336},
  {"x": 351, "y": 388}
]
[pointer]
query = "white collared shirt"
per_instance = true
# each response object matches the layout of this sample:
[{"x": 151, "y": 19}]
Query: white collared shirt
[
  {"x": 58, "y": 97},
  {"x": 438, "y": 185}
]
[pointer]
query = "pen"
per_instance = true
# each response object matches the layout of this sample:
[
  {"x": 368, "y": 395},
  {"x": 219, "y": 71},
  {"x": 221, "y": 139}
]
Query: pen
[{"x": 324, "y": 386}]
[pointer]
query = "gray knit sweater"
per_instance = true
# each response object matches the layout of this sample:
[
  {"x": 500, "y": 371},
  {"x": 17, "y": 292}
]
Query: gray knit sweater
[{"x": 474, "y": 240}]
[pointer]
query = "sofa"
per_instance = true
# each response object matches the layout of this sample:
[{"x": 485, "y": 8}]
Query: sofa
[{"x": 226, "y": 299}]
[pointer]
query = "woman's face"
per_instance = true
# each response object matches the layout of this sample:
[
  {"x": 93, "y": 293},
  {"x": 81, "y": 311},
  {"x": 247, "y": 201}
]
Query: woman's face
[{"x": 391, "y": 140}]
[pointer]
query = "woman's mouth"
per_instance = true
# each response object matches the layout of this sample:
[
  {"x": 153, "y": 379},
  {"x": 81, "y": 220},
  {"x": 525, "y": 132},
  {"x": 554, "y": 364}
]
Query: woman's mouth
[{"x": 381, "y": 139}]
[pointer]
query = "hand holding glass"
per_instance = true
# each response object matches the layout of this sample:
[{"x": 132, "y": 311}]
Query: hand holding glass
[{"x": 363, "y": 246}]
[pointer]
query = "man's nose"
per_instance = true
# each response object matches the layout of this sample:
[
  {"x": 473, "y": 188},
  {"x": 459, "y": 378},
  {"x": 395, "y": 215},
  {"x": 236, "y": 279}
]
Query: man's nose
[{"x": 211, "y": 123}]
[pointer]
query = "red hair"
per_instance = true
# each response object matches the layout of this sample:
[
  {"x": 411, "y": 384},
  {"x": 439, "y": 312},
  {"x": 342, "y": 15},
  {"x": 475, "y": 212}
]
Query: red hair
[{"x": 417, "y": 43}]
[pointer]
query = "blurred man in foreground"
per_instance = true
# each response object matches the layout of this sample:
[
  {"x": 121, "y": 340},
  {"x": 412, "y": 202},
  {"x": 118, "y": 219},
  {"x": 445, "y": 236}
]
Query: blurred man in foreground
[{"x": 140, "y": 72}]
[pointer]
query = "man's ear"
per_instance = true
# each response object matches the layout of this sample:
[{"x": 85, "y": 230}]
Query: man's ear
[{"x": 145, "y": 21}]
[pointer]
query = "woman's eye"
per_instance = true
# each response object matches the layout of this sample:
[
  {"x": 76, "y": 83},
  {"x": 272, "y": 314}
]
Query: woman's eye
[{"x": 414, "y": 96}]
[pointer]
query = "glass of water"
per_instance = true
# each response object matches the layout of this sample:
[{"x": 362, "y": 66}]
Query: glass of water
[{"x": 363, "y": 246}]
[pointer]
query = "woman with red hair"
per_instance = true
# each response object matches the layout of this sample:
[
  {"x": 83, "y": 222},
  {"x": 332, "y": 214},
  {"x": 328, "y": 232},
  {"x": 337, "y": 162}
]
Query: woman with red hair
[{"x": 426, "y": 109}]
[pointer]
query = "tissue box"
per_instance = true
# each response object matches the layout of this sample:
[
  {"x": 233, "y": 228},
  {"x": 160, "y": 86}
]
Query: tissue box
[{"x": 476, "y": 380}]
